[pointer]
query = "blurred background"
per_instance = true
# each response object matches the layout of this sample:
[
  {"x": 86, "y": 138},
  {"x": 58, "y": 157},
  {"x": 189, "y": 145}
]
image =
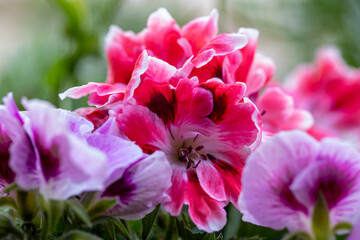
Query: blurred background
[{"x": 47, "y": 46}]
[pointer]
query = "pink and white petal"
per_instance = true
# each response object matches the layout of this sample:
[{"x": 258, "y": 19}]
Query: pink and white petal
[
  {"x": 226, "y": 43},
  {"x": 122, "y": 50},
  {"x": 76, "y": 123},
  {"x": 207, "y": 213},
  {"x": 177, "y": 191},
  {"x": 144, "y": 127},
  {"x": 201, "y": 30},
  {"x": 211, "y": 181},
  {"x": 247, "y": 53},
  {"x": 237, "y": 119},
  {"x": 336, "y": 174},
  {"x": 266, "y": 181},
  {"x": 145, "y": 182},
  {"x": 193, "y": 104},
  {"x": 256, "y": 81},
  {"x": 161, "y": 38},
  {"x": 203, "y": 58},
  {"x": 265, "y": 64}
]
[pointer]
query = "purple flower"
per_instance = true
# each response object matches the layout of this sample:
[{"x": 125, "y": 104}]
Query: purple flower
[
  {"x": 48, "y": 151},
  {"x": 7, "y": 176},
  {"x": 137, "y": 180},
  {"x": 283, "y": 179}
]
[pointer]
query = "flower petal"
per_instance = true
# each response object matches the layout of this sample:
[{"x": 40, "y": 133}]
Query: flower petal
[{"x": 144, "y": 183}]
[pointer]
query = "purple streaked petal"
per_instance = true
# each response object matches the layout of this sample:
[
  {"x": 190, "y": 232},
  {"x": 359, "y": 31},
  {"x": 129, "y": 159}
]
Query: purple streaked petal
[
  {"x": 120, "y": 153},
  {"x": 141, "y": 187},
  {"x": 267, "y": 177},
  {"x": 336, "y": 174}
]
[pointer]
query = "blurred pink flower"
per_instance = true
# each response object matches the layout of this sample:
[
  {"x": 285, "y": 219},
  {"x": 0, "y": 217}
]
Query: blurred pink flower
[
  {"x": 206, "y": 131},
  {"x": 329, "y": 89},
  {"x": 283, "y": 178}
]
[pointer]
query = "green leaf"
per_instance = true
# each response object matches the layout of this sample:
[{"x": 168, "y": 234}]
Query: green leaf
[
  {"x": 186, "y": 234},
  {"x": 116, "y": 222},
  {"x": 320, "y": 220},
  {"x": 27, "y": 204},
  {"x": 7, "y": 227},
  {"x": 11, "y": 187},
  {"x": 79, "y": 211},
  {"x": 78, "y": 235},
  {"x": 8, "y": 202},
  {"x": 148, "y": 222},
  {"x": 101, "y": 206}
]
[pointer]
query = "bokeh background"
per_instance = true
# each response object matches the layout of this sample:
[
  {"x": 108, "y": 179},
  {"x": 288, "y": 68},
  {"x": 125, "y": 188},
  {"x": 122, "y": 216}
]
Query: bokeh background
[{"x": 47, "y": 46}]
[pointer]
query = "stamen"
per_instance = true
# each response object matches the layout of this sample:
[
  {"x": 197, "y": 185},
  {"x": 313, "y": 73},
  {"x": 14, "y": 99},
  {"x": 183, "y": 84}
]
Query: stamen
[
  {"x": 197, "y": 164},
  {"x": 199, "y": 148},
  {"x": 195, "y": 137},
  {"x": 263, "y": 113},
  {"x": 203, "y": 157}
]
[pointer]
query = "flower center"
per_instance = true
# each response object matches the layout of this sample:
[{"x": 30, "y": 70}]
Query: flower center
[{"x": 193, "y": 156}]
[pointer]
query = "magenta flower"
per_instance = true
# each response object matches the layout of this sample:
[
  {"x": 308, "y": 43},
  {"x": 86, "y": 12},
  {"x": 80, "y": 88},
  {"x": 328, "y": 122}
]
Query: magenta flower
[
  {"x": 205, "y": 130},
  {"x": 329, "y": 88},
  {"x": 193, "y": 45},
  {"x": 283, "y": 178},
  {"x": 48, "y": 151}
]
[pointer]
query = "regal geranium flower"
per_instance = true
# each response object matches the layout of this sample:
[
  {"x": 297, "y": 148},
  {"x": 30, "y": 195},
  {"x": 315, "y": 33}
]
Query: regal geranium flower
[
  {"x": 329, "y": 88},
  {"x": 193, "y": 45},
  {"x": 48, "y": 151},
  {"x": 287, "y": 174},
  {"x": 137, "y": 180},
  {"x": 205, "y": 130}
]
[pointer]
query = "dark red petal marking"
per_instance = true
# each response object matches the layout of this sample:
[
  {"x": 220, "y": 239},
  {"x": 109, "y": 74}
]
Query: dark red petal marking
[
  {"x": 164, "y": 108},
  {"x": 50, "y": 161}
]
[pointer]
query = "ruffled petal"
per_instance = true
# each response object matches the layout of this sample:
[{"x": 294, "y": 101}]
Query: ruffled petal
[
  {"x": 201, "y": 30},
  {"x": 266, "y": 181},
  {"x": 161, "y": 38},
  {"x": 143, "y": 126},
  {"x": 122, "y": 49},
  {"x": 336, "y": 174},
  {"x": 141, "y": 187},
  {"x": 207, "y": 213},
  {"x": 177, "y": 192}
]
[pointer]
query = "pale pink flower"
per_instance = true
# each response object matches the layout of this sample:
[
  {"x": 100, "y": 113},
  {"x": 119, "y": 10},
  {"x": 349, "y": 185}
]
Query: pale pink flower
[{"x": 283, "y": 178}]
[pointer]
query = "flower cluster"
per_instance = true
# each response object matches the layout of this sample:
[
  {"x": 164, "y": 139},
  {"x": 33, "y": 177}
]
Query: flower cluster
[{"x": 187, "y": 117}]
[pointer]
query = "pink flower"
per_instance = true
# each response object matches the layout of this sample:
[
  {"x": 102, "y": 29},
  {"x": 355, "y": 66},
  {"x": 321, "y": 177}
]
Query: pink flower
[
  {"x": 205, "y": 130},
  {"x": 279, "y": 112},
  {"x": 193, "y": 45},
  {"x": 329, "y": 88},
  {"x": 48, "y": 151},
  {"x": 286, "y": 174}
]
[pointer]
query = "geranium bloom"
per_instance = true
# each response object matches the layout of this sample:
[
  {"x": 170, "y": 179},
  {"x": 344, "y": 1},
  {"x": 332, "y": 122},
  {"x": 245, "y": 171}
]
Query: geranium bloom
[
  {"x": 329, "y": 89},
  {"x": 137, "y": 180},
  {"x": 193, "y": 45},
  {"x": 48, "y": 151},
  {"x": 286, "y": 174},
  {"x": 205, "y": 130}
]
